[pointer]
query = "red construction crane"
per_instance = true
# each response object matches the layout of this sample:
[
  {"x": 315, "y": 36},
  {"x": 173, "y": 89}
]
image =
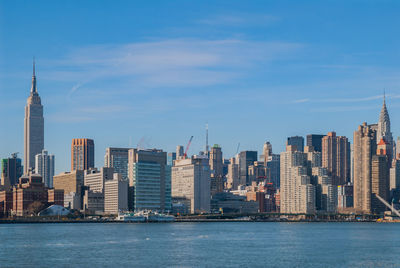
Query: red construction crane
[{"x": 187, "y": 147}]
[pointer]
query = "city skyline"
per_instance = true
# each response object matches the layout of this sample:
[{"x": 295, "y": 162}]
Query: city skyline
[{"x": 230, "y": 88}]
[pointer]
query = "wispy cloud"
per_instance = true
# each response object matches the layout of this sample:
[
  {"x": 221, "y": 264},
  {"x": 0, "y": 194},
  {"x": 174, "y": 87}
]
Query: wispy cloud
[
  {"x": 301, "y": 101},
  {"x": 343, "y": 108},
  {"x": 169, "y": 63},
  {"x": 239, "y": 19},
  {"x": 346, "y": 100}
]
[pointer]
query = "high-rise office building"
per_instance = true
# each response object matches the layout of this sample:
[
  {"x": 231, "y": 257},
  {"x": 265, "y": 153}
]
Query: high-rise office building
[
  {"x": 380, "y": 181},
  {"x": 397, "y": 156},
  {"x": 117, "y": 158},
  {"x": 191, "y": 182},
  {"x": 149, "y": 180},
  {"x": 297, "y": 141},
  {"x": 33, "y": 126},
  {"x": 364, "y": 148},
  {"x": 115, "y": 195},
  {"x": 274, "y": 170},
  {"x": 11, "y": 170},
  {"x": 315, "y": 140},
  {"x": 179, "y": 152},
  {"x": 44, "y": 165},
  {"x": 233, "y": 174},
  {"x": 82, "y": 154},
  {"x": 395, "y": 176},
  {"x": 246, "y": 159},
  {"x": 267, "y": 152},
  {"x": 384, "y": 130},
  {"x": 336, "y": 157},
  {"x": 297, "y": 194},
  {"x": 216, "y": 167}
]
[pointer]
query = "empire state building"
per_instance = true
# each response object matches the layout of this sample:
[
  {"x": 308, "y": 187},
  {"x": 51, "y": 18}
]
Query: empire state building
[{"x": 33, "y": 126}]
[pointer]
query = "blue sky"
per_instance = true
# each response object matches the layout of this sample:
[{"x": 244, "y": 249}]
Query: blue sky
[{"x": 155, "y": 72}]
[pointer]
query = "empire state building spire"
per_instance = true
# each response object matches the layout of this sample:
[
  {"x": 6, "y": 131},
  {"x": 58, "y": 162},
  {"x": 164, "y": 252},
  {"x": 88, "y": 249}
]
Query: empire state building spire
[{"x": 33, "y": 88}]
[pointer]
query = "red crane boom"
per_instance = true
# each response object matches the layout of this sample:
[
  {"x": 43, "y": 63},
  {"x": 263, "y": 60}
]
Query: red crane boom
[{"x": 187, "y": 147}]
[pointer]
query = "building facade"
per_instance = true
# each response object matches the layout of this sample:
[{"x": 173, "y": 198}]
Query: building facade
[
  {"x": 233, "y": 174},
  {"x": 364, "y": 148},
  {"x": 246, "y": 159},
  {"x": 117, "y": 158},
  {"x": 31, "y": 190},
  {"x": 115, "y": 195},
  {"x": 274, "y": 170},
  {"x": 297, "y": 194},
  {"x": 216, "y": 168},
  {"x": 191, "y": 181},
  {"x": 315, "y": 140},
  {"x": 82, "y": 154},
  {"x": 297, "y": 141},
  {"x": 336, "y": 157},
  {"x": 149, "y": 180},
  {"x": 44, "y": 165},
  {"x": 11, "y": 170},
  {"x": 72, "y": 183},
  {"x": 95, "y": 179}
]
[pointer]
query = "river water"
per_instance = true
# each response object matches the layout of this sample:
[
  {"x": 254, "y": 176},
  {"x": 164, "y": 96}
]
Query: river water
[{"x": 220, "y": 244}]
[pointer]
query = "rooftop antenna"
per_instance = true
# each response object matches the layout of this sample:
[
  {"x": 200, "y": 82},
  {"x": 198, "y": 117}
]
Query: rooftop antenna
[
  {"x": 207, "y": 148},
  {"x": 384, "y": 95}
]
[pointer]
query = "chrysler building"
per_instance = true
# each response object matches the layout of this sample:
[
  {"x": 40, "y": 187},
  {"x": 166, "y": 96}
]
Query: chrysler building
[{"x": 384, "y": 129}]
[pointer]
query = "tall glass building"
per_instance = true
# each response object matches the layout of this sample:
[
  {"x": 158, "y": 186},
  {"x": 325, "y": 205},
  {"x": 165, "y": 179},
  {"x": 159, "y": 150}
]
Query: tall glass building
[
  {"x": 118, "y": 159},
  {"x": 149, "y": 180}
]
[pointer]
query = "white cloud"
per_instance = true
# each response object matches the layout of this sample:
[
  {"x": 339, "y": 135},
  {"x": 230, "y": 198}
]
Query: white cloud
[
  {"x": 239, "y": 19},
  {"x": 174, "y": 63}
]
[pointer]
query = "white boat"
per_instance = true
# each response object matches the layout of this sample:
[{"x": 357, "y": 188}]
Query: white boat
[
  {"x": 152, "y": 216},
  {"x": 131, "y": 217}
]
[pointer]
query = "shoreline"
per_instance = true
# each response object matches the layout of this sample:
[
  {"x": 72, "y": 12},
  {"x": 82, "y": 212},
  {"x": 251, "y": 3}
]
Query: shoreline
[{"x": 23, "y": 221}]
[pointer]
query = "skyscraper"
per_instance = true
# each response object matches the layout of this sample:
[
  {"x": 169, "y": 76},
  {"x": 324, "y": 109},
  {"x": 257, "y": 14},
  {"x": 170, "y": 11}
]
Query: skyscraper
[
  {"x": 11, "y": 169},
  {"x": 82, "y": 154},
  {"x": 117, "y": 158},
  {"x": 364, "y": 148},
  {"x": 297, "y": 192},
  {"x": 246, "y": 158},
  {"x": 149, "y": 180},
  {"x": 336, "y": 157},
  {"x": 191, "y": 182},
  {"x": 216, "y": 167},
  {"x": 179, "y": 152},
  {"x": 44, "y": 165},
  {"x": 315, "y": 140},
  {"x": 233, "y": 174},
  {"x": 297, "y": 141},
  {"x": 380, "y": 182},
  {"x": 384, "y": 130},
  {"x": 33, "y": 126},
  {"x": 267, "y": 152}
]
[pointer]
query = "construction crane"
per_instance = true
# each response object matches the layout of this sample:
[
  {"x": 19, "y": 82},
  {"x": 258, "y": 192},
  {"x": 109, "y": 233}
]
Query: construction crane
[
  {"x": 187, "y": 147},
  {"x": 237, "y": 150}
]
